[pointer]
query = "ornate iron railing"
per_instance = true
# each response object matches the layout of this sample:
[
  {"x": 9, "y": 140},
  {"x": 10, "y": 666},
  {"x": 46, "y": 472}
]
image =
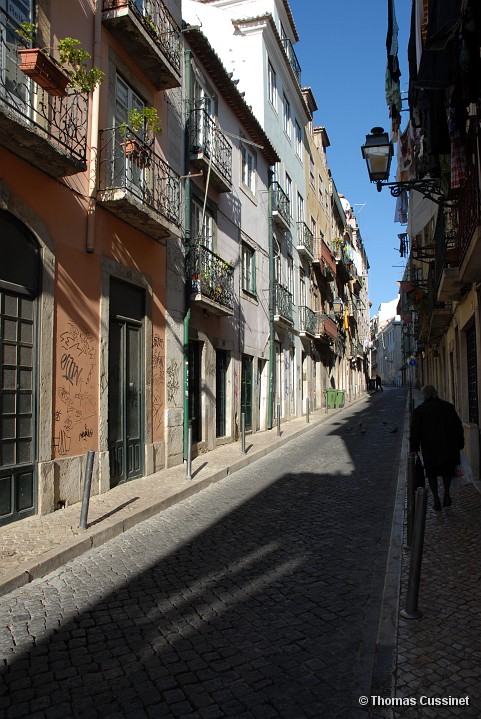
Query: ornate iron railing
[
  {"x": 206, "y": 138},
  {"x": 129, "y": 163},
  {"x": 307, "y": 320},
  {"x": 61, "y": 120},
  {"x": 469, "y": 212},
  {"x": 294, "y": 62},
  {"x": 280, "y": 202},
  {"x": 305, "y": 238},
  {"x": 157, "y": 22},
  {"x": 210, "y": 275},
  {"x": 283, "y": 302}
]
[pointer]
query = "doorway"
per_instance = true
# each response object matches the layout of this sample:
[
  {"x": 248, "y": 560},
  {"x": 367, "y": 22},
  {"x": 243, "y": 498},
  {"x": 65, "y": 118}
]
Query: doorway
[
  {"x": 195, "y": 385},
  {"x": 126, "y": 396},
  {"x": 19, "y": 289},
  {"x": 222, "y": 364},
  {"x": 246, "y": 390}
]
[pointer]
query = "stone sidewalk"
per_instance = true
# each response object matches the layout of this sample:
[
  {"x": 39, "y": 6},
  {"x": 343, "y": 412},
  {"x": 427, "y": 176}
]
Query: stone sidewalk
[
  {"x": 35, "y": 546},
  {"x": 431, "y": 666}
]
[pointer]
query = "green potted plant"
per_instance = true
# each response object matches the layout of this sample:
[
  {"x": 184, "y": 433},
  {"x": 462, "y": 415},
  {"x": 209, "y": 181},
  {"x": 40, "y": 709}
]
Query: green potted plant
[
  {"x": 55, "y": 76},
  {"x": 139, "y": 133}
]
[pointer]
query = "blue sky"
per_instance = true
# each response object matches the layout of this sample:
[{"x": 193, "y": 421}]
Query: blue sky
[{"x": 342, "y": 53}]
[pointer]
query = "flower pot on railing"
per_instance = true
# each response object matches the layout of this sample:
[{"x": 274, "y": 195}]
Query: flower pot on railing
[
  {"x": 137, "y": 152},
  {"x": 44, "y": 70}
]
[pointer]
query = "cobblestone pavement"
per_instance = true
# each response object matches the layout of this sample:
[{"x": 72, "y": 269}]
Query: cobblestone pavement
[
  {"x": 439, "y": 655},
  {"x": 258, "y": 597}
]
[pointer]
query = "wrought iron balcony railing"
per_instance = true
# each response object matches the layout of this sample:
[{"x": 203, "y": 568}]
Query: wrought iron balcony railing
[
  {"x": 294, "y": 62},
  {"x": 281, "y": 204},
  {"x": 129, "y": 163},
  {"x": 283, "y": 302},
  {"x": 206, "y": 139},
  {"x": 209, "y": 275},
  {"x": 305, "y": 240},
  {"x": 158, "y": 23},
  {"x": 308, "y": 321},
  {"x": 31, "y": 119}
]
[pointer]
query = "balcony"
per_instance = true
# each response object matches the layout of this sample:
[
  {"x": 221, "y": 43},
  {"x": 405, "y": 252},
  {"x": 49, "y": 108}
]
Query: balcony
[
  {"x": 307, "y": 322},
  {"x": 293, "y": 61},
  {"x": 210, "y": 150},
  {"x": 211, "y": 281},
  {"x": 282, "y": 305},
  {"x": 469, "y": 214},
  {"x": 446, "y": 257},
  {"x": 324, "y": 260},
  {"x": 305, "y": 242},
  {"x": 281, "y": 207},
  {"x": 148, "y": 33},
  {"x": 344, "y": 263},
  {"x": 326, "y": 328},
  {"x": 137, "y": 185},
  {"x": 48, "y": 131}
]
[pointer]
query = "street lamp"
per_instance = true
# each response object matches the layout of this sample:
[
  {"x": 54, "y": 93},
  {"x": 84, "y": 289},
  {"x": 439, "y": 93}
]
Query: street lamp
[{"x": 378, "y": 152}]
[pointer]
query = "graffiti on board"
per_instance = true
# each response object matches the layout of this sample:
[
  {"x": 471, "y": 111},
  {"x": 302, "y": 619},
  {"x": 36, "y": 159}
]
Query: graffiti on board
[
  {"x": 75, "y": 408},
  {"x": 158, "y": 380}
]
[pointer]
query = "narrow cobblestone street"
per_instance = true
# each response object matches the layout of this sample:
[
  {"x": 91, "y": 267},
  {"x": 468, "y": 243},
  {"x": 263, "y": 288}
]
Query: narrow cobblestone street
[{"x": 258, "y": 597}]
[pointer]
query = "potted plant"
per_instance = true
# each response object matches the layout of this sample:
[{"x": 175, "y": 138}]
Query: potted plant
[
  {"x": 139, "y": 133},
  {"x": 55, "y": 76}
]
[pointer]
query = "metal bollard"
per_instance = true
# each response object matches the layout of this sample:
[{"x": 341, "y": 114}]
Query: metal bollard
[
  {"x": 307, "y": 410},
  {"x": 411, "y": 611},
  {"x": 189, "y": 454},
  {"x": 278, "y": 420},
  {"x": 327, "y": 407},
  {"x": 87, "y": 485},
  {"x": 243, "y": 433},
  {"x": 411, "y": 496}
]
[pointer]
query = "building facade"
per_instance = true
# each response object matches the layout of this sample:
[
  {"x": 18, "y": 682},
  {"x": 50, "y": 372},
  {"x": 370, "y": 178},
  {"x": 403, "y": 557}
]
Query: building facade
[{"x": 169, "y": 267}]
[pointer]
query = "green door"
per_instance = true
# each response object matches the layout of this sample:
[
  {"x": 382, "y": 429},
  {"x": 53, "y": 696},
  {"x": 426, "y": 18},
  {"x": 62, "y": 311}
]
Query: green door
[
  {"x": 125, "y": 383},
  {"x": 222, "y": 362},
  {"x": 246, "y": 390},
  {"x": 19, "y": 272},
  {"x": 195, "y": 398}
]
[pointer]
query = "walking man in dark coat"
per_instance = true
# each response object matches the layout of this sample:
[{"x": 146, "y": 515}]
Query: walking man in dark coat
[{"x": 438, "y": 431}]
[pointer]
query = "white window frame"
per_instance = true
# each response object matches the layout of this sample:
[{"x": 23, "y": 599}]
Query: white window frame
[
  {"x": 272, "y": 85},
  {"x": 249, "y": 168},
  {"x": 205, "y": 235},
  {"x": 287, "y": 117},
  {"x": 249, "y": 269},
  {"x": 288, "y": 191},
  {"x": 298, "y": 137},
  {"x": 300, "y": 208}
]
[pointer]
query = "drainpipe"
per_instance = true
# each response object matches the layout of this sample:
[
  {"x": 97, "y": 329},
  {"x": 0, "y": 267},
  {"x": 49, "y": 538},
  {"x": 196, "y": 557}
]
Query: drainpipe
[
  {"x": 187, "y": 224},
  {"x": 93, "y": 138},
  {"x": 271, "y": 304}
]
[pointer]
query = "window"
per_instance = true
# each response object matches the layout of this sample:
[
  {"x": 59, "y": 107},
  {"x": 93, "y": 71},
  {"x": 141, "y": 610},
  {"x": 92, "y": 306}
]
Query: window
[
  {"x": 288, "y": 191},
  {"x": 287, "y": 117},
  {"x": 320, "y": 189},
  {"x": 248, "y": 269},
  {"x": 312, "y": 178},
  {"x": 272, "y": 85},
  {"x": 202, "y": 233},
  {"x": 313, "y": 228},
  {"x": 302, "y": 288},
  {"x": 300, "y": 207},
  {"x": 290, "y": 275},
  {"x": 298, "y": 135},
  {"x": 249, "y": 162}
]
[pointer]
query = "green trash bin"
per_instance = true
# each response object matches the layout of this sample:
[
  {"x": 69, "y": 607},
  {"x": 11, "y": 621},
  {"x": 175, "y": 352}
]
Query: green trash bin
[
  {"x": 340, "y": 398},
  {"x": 331, "y": 398}
]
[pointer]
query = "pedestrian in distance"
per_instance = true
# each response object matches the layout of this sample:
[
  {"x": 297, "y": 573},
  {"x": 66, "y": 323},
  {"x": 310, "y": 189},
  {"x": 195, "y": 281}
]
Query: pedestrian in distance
[
  {"x": 437, "y": 430},
  {"x": 379, "y": 383}
]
